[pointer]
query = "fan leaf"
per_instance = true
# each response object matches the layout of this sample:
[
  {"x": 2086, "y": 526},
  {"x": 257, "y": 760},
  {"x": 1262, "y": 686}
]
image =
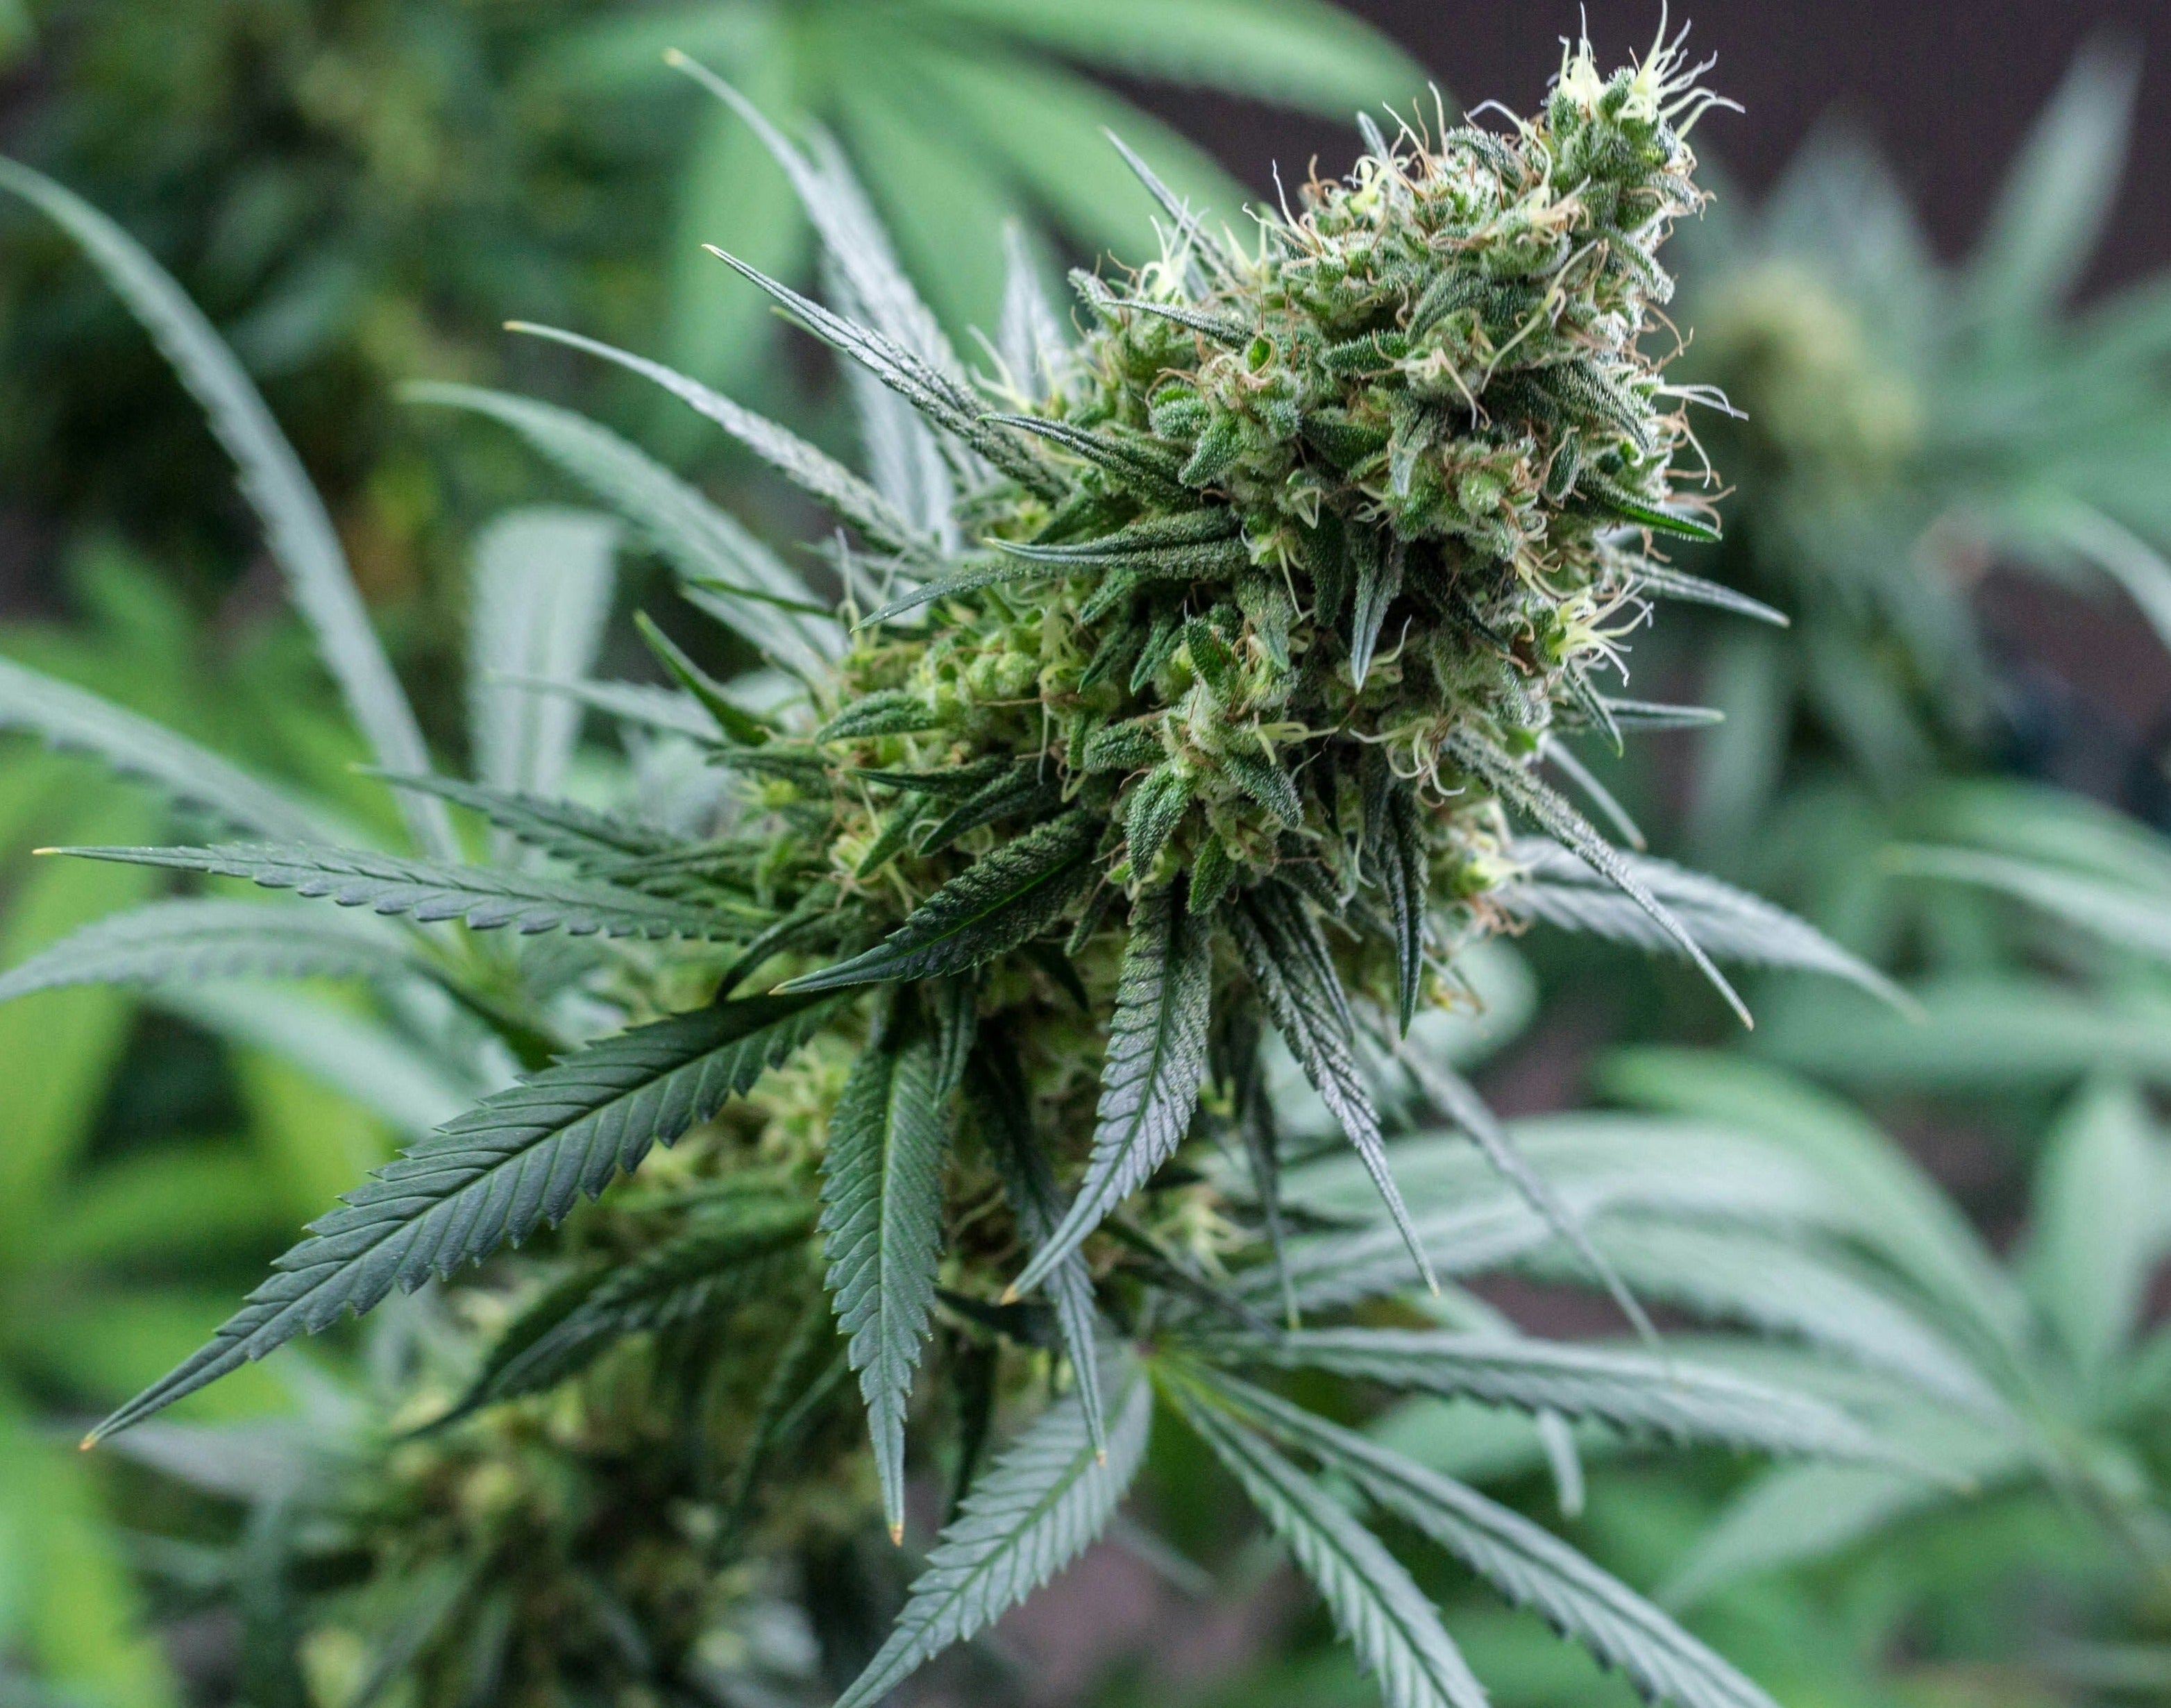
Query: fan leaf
[
  {"x": 1047, "y": 1496},
  {"x": 485, "y": 897},
  {"x": 1004, "y": 901},
  {"x": 295, "y": 527},
  {"x": 1396, "y": 1631},
  {"x": 1524, "y": 1563},
  {"x": 185, "y": 941},
  {"x": 1155, "y": 1064},
  {"x": 519, "y": 1160},
  {"x": 1296, "y": 979},
  {"x": 77, "y": 720},
  {"x": 1626, "y": 1389},
  {"x": 882, "y": 1192}
]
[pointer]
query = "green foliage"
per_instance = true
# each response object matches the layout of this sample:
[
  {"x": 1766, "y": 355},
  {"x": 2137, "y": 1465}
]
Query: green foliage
[
  {"x": 1903, "y": 425},
  {"x": 1368, "y": 503}
]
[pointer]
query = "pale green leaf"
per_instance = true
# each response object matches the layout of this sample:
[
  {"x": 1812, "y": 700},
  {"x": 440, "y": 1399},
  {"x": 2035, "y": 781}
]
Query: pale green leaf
[
  {"x": 69, "y": 717},
  {"x": 295, "y": 527},
  {"x": 722, "y": 567},
  {"x": 2096, "y": 1234},
  {"x": 182, "y": 941},
  {"x": 539, "y": 591},
  {"x": 813, "y": 470},
  {"x": 1524, "y": 1563},
  {"x": 1628, "y": 1390},
  {"x": 1560, "y": 888}
]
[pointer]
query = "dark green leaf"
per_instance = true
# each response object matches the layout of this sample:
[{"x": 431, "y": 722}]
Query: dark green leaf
[
  {"x": 1156, "y": 1062},
  {"x": 484, "y": 896},
  {"x": 1296, "y": 980},
  {"x": 517, "y": 1162},
  {"x": 1004, "y": 901},
  {"x": 882, "y": 1192},
  {"x": 1050, "y": 1494}
]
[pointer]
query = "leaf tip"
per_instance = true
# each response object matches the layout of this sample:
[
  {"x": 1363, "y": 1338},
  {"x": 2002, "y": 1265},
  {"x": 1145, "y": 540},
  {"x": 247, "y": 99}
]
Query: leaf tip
[
  {"x": 1009, "y": 1295},
  {"x": 897, "y": 1535}
]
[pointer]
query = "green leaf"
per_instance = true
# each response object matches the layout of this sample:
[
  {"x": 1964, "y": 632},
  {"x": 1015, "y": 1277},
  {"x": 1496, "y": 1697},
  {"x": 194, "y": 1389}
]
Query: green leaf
[
  {"x": 988, "y": 575},
  {"x": 484, "y": 896},
  {"x": 74, "y": 1610},
  {"x": 2057, "y": 200},
  {"x": 343, "y": 1051},
  {"x": 1155, "y": 1064},
  {"x": 1669, "y": 583},
  {"x": 1379, "y": 582},
  {"x": 1980, "y": 1034},
  {"x": 881, "y": 1193},
  {"x": 1628, "y": 1390},
  {"x": 1135, "y": 463},
  {"x": 2097, "y": 1230},
  {"x": 1525, "y": 1564},
  {"x": 517, "y": 1162},
  {"x": 1004, "y": 900},
  {"x": 944, "y": 401},
  {"x": 74, "y": 718},
  {"x": 295, "y": 527},
  {"x": 1300, "y": 53},
  {"x": 562, "y": 829},
  {"x": 733, "y": 1255},
  {"x": 166, "y": 942},
  {"x": 1775, "y": 1282},
  {"x": 1396, "y": 1631},
  {"x": 61, "y": 1047},
  {"x": 1896, "y": 1210},
  {"x": 892, "y": 711},
  {"x": 1796, "y": 1514},
  {"x": 1295, "y": 979},
  {"x": 722, "y": 568},
  {"x": 540, "y": 589},
  {"x": 1562, "y": 888},
  {"x": 1002, "y": 1107},
  {"x": 1558, "y": 819},
  {"x": 1455, "y": 1098},
  {"x": 1048, "y": 1495},
  {"x": 813, "y": 471},
  {"x": 2123, "y": 913},
  {"x": 852, "y": 237},
  {"x": 1395, "y": 841}
]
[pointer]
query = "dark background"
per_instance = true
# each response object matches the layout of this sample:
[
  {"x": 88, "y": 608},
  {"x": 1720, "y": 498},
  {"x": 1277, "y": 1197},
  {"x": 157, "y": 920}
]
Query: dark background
[{"x": 1949, "y": 87}]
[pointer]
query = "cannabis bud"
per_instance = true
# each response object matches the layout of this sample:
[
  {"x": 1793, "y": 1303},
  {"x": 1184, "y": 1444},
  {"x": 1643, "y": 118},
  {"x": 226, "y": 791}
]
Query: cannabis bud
[{"x": 1335, "y": 535}]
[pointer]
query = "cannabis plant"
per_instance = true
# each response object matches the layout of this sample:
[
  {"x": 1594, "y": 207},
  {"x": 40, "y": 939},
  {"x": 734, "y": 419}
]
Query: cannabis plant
[
  {"x": 2036, "y": 1382},
  {"x": 358, "y": 193},
  {"x": 1907, "y": 427},
  {"x": 1189, "y": 680}
]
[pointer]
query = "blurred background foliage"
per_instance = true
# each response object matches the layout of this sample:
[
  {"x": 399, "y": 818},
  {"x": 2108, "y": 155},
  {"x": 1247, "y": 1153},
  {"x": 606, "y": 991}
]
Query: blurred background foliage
[{"x": 360, "y": 191}]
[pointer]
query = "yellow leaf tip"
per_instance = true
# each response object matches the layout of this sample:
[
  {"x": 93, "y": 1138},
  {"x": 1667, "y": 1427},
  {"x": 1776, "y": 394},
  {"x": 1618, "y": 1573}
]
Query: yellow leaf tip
[
  {"x": 1009, "y": 1296},
  {"x": 897, "y": 1535}
]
